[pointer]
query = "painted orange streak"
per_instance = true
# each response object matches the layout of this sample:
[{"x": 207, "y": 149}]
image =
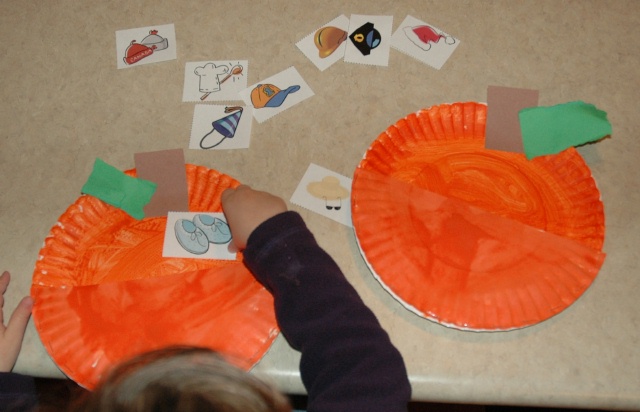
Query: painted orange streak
[
  {"x": 447, "y": 263},
  {"x": 549, "y": 192},
  {"x": 104, "y": 292}
]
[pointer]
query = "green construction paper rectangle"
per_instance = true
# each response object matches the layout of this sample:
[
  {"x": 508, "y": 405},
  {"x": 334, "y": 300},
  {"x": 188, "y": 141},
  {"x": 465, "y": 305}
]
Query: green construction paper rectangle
[
  {"x": 552, "y": 129},
  {"x": 116, "y": 188}
]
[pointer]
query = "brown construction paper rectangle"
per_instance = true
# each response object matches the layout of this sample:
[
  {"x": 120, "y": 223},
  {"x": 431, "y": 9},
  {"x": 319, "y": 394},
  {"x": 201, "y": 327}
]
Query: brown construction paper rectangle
[
  {"x": 503, "y": 124},
  {"x": 167, "y": 169}
]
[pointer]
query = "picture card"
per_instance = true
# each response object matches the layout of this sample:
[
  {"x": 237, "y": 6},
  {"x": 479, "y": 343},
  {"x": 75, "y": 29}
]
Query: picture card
[
  {"x": 424, "y": 42},
  {"x": 503, "y": 130},
  {"x": 198, "y": 235},
  {"x": 165, "y": 168},
  {"x": 326, "y": 45},
  {"x": 220, "y": 80},
  {"x": 220, "y": 127},
  {"x": 369, "y": 40},
  {"x": 325, "y": 192},
  {"x": 145, "y": 45},
  {"x": 276, "y": 94}
]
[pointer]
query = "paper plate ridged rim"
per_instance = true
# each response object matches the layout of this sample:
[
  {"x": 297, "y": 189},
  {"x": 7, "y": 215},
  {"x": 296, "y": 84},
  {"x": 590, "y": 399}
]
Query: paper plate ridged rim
[
  {"x": 438, "y": 153},
  {"x": 103, "y": 292}
]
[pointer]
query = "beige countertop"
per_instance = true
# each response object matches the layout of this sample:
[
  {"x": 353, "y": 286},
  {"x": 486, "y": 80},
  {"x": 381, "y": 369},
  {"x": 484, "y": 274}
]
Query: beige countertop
[{"x": 64, "y": 103}]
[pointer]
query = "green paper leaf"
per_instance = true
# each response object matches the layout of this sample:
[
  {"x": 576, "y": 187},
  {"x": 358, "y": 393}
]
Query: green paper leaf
[
  {"x": 550, "y": 130},
  {"x": 116, "y": 188}
]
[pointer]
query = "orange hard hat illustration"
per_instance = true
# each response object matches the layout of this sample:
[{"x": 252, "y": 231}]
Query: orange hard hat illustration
[{"x": 327, "y": 39}]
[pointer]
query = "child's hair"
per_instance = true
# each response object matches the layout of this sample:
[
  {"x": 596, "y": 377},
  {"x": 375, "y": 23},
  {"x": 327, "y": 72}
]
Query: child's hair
[{"x": 185, "y": 379}]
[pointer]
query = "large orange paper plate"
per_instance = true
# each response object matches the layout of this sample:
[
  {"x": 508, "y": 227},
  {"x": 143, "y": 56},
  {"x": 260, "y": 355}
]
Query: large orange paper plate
[
  {"x": 472, "y": 238},
  {"x": 103, "y": 292}
]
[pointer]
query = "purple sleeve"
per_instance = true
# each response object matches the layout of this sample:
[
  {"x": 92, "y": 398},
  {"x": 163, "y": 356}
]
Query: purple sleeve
[
  {"x": 17, "y": 392},
  {"x": 348, "y": 362}
]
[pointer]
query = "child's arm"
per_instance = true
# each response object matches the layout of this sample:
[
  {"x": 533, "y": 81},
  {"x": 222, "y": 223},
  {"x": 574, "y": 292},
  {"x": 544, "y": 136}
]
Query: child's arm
[{"x": 348, "y": 361}]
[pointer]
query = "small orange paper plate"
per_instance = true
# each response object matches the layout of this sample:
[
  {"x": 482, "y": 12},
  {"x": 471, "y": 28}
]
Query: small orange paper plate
[
  {"x": 103, "y": 292},
  {"x": 472, "y": 238}
]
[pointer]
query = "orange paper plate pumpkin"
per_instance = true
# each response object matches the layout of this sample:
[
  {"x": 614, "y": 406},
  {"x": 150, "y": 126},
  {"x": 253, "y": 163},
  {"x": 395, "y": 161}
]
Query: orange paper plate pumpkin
[
  {"x": 472, "y": 238},
  {"x": 103, "y": 292}
]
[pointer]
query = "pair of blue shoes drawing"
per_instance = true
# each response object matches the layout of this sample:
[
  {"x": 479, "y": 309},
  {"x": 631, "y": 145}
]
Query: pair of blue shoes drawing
[{"x": 196, "y": 235}]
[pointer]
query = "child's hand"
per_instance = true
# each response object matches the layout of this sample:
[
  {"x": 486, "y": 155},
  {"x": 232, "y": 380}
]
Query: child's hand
[
  {"x": 11, "y": 335},
  {"x": 246, "y": 208}
]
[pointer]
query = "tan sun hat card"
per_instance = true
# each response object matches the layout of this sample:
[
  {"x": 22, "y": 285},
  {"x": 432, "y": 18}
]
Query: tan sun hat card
[{"x": 325, "y": 192}]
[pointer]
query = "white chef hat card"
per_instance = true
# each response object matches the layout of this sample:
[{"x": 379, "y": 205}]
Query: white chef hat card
[{"x": 214, "y": 80}]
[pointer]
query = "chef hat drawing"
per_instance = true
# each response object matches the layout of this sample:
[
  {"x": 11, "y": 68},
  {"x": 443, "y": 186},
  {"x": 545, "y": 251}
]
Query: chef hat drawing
[
  {"x": 210, "y": 69},
  {"x": 208, "y": 74}
]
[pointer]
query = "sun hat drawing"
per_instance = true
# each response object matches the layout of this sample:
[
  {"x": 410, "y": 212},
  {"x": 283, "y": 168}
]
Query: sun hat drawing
[
  {"x": 328, "y": 39},
  {"x": 269, "y": 95},
  {"x": 366, "y": 38},
  {"x": 330, "y": 190}
]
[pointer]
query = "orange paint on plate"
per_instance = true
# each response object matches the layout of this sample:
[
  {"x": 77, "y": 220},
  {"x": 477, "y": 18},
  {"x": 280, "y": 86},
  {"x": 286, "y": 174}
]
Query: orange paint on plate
[
  {"x": 439, "y": 153},
  {"x": 104, "y": 292}
]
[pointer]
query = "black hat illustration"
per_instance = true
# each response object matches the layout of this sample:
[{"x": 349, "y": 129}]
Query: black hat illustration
[{"x": 366, "y": 38}]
